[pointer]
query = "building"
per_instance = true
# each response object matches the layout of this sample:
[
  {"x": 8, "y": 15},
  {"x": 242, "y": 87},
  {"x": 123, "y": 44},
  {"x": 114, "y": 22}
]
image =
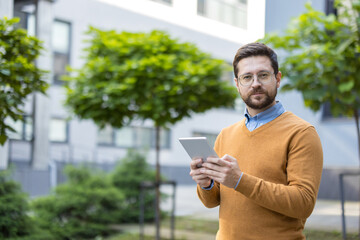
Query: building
[{"x": 218, "y": 27}]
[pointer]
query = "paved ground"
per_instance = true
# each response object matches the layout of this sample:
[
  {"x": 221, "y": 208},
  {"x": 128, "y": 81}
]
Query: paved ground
[{"x": 326, "y": 215}]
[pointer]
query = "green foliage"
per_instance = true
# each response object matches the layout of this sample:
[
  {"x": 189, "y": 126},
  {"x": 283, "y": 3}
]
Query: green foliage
[
  {"x": 14, "y": 221},
  {"x": 127, "y": 177},
  {"x": 323, "y": 57},
  {"x": 82, "y": 208},
  {"x": 91, "y": 202},
  {"x": 147, "y": 76},
  {"x": 19, "y": 75}
]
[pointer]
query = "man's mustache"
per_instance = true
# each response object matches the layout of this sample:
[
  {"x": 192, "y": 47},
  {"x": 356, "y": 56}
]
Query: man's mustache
[{"x": 257, "y": 91}]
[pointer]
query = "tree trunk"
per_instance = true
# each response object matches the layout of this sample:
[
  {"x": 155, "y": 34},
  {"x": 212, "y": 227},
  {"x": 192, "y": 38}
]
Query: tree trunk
[
  {"x": 157, "y": 183},
  {"x": 356, "y": 116}
]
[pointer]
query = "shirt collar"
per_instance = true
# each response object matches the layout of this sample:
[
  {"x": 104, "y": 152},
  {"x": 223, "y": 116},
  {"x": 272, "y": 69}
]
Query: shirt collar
[{"x": 277, "y": 109}]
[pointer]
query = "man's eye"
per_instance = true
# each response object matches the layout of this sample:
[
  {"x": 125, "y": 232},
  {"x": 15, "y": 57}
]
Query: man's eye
[
  {"x": 263, "y": 75},
  {"x": 247, "y": 77}
]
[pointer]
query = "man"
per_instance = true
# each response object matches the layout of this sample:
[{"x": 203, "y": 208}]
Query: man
[{"x": 267, "y": 180}]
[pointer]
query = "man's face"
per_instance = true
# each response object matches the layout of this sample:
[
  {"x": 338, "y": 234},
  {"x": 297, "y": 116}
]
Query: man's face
[{"x": 257, "y": 96}]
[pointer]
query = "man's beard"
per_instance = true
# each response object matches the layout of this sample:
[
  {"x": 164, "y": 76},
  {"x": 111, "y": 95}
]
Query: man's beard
[{"x": 269, "y": 99}]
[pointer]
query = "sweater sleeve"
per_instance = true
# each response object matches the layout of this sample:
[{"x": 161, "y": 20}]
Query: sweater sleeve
[
  {"x": 211, "y": 198},
  {"x": 304, "y": 168}
]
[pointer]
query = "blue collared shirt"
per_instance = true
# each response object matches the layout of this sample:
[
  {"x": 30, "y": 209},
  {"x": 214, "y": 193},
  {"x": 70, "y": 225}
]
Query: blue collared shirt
[
  {"x": 257, "y": 121},
  {"x": 264, "y": 117}
]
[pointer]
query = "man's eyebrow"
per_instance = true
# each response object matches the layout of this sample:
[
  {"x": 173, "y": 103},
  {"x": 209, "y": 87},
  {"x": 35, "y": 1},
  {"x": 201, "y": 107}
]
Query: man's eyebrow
[{"x": 255, "y": 73}]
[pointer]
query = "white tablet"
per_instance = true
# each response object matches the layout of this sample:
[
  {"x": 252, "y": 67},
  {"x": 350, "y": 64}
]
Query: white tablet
[{"x": 198, "y": 147}]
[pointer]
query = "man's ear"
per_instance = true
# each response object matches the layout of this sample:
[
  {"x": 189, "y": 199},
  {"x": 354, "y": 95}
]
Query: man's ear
[
  {"x": 237, "y": 84},
  {"x": 278, "y": 79}
]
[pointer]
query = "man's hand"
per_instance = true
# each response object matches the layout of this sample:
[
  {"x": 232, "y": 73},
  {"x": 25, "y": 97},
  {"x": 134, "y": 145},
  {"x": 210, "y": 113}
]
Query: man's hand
[
  {"x": 223, "y": 170},
  {"x": 200, "y": 178}
]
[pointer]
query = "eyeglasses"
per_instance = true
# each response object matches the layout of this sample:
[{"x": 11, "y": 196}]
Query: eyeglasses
[{"x": 247, "y": 79}]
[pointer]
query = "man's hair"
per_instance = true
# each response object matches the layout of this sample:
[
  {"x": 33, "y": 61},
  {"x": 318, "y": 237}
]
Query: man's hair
[{"x": 255, "y": 49}]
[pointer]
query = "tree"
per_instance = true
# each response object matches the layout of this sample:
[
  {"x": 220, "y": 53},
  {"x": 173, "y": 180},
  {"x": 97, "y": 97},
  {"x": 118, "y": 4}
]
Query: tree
[
  {"x": 129, "y": 76},
  {"x": 323, "y": 60},
  {"x": 19, "y": 76}
]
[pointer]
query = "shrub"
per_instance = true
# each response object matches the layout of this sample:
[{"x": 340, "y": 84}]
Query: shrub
[
  {"x": 91, "y": 202},
  {"x": 82, "y": 208},
  {"x": 127, "y": 177},
  {"x": 14, "y": 221}
]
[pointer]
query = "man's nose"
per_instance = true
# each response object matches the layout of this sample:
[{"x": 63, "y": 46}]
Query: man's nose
[{"x": 255, "y": 82}]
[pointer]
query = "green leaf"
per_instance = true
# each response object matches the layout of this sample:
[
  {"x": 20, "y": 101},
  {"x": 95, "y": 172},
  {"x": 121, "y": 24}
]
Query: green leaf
[
  {"x": 346, "y": 86},
  {"x": 3, "y": 139},
  {"x": 344, "y": 45}
]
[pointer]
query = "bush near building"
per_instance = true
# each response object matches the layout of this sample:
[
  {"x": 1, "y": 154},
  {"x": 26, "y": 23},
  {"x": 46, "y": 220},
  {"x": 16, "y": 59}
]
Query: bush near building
[
  {"x": 127, "y": 177},
  {"x": 14, "y": 221},
  {"x": 82, "y": 208},
  {"x": 91, "y": 203}
]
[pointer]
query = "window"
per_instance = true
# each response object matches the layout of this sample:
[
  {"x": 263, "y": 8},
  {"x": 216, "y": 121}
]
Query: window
[
  {"x": 133, "y": 137},
  {"x": 61, "y": 48},
  {"x": 227, "y": 11},
  {"x": 24, "y": 129},
  {"x": 31, "y": 27},
  {"x": 25, "y": 10},
  {"x": 125, "y": 137},
  {"x": 330, "y": 7},
  {"x": 58, "y": 130},
  {"x": 211, "y": 137},
  {"x": 105, "y": 136}
]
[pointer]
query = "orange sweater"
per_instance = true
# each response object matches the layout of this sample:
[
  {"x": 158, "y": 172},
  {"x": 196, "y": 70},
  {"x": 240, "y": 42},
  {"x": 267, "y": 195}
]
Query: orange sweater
[{"x": 282, "y": 165}]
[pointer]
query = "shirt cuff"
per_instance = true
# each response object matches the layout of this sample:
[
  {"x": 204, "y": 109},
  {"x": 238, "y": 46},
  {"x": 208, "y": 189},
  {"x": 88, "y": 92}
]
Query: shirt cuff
[
  {"x": 239, "y": 180},
  {"x": 210, "y": 187}
]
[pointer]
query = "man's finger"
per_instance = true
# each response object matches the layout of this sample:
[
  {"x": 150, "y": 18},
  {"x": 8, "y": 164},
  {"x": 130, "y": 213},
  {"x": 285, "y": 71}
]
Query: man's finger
[
  {"x": 212, "y": 166},
  {"x": 228, "y": 158},
  {"x": 196, "y": 163},
  {"x": 216, "y": 161},
  {"x": 210, "y": 173},
  {"x": 200, "y": 177}
]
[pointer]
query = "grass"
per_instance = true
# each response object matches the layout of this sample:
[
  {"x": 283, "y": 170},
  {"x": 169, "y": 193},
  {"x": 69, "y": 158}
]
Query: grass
[
  {"x": 191, "y": 225},
  {"x": 328, "y": 235}
]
